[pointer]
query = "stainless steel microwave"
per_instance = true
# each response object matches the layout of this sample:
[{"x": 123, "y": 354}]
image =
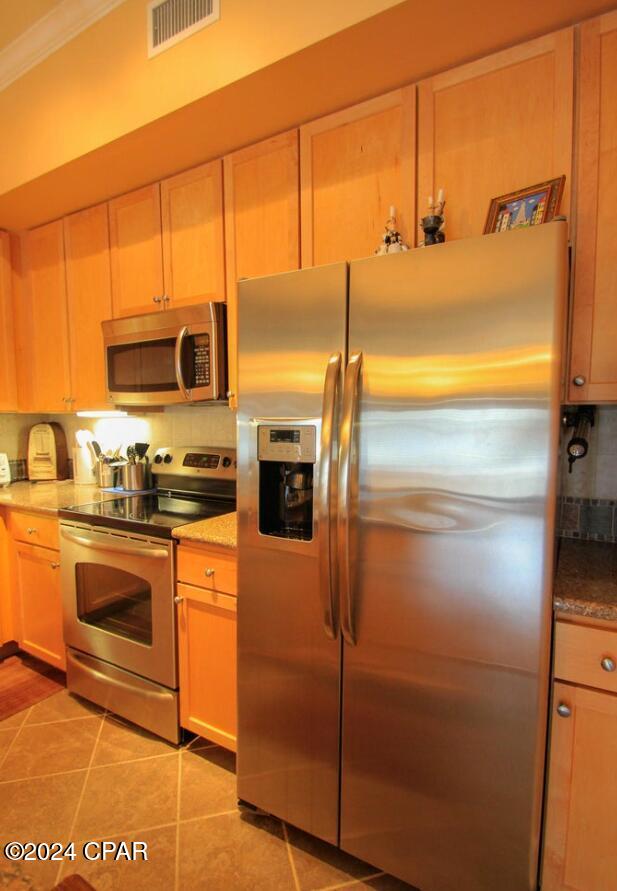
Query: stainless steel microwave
[{"x": 166, "y": 357}]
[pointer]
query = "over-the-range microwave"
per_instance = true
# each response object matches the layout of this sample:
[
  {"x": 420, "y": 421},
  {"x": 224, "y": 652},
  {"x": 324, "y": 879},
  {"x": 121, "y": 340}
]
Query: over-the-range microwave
[{"x": 166, "y": 357}]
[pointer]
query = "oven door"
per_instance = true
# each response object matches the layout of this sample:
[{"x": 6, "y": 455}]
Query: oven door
[
  {"x": 118, "y": 599},
  {"x": 178, "y": 365}
]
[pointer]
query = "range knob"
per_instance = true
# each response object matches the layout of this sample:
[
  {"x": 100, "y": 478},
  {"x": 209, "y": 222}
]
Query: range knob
[
  {"x": 167, "y": 459},
  {"x": 158, "y": 459},
  {"x": 226, "y": 462}
]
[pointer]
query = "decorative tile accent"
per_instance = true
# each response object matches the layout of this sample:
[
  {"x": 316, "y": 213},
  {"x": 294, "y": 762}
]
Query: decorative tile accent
[{"x": 589, "y": 519}]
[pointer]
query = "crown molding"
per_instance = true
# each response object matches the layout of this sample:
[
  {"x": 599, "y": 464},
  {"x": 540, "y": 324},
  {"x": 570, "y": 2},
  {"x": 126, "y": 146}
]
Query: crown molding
[{"x": 51, "y": 32}]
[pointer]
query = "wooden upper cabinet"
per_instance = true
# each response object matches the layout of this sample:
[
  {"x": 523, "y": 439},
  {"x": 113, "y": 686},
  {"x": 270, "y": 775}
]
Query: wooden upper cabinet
[
  {"x": 8, "y": 384},
  {"x": 593, "y": 359},
  {"x": 193, "y": 241},
  {"x": 88, "y": 281},
  {"x": 47, "y": 342},
  {"x": 494, "y": 126},
  {"x": 580, "y": 844},
  {"x": 136, "y": 252},
  {"x": 262, "y": 220},
  {"x": 355, "y": 165}
]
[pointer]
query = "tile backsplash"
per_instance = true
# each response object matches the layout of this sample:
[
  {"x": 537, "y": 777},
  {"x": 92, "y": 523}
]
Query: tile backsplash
[{"x": 178, "y": 426}]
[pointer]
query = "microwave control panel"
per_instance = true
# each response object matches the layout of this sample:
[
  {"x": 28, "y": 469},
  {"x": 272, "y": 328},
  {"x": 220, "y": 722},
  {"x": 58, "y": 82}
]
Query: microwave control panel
[
  {"x": 201, "y": 360},
  {"x": 287, "y": 443}
]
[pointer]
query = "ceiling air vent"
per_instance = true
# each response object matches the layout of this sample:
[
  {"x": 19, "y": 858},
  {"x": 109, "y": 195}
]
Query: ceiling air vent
[{"x": 170, "y": 21}]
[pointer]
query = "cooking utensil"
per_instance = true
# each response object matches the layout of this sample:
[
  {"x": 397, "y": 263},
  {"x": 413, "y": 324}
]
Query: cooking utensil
[
  {"x": 131, "y": 454},
  {"x": 141, "y": 448}
]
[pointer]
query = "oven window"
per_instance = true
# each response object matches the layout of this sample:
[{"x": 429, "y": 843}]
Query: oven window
[
  {"x": 115, "y": 601},
  {"x": 146, "y": 367}
]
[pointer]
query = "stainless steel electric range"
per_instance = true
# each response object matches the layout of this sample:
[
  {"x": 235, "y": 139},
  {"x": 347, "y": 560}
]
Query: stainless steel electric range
[{"x": 118, "y": 574}]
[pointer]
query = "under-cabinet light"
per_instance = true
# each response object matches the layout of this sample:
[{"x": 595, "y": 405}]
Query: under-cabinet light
[{"x": 115, "y": 413}]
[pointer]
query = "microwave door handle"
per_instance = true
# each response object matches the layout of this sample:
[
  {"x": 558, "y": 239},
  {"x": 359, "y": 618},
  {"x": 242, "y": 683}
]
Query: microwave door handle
[
  {"x": 178, "y": 362},
  {"x": 346, "y": 503},
  {"x": 327, "y": 527}
]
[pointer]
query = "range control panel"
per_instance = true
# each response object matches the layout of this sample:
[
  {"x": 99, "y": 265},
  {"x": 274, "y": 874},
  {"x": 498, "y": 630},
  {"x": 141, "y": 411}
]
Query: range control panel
[
  {"x": 285, "y": 442},
  {"x": 195, "y": 461}
]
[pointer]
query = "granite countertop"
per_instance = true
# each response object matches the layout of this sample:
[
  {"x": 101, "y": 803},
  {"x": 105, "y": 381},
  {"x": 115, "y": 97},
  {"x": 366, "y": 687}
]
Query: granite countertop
[
  {"x": 50, "y": 497},
  {"x": 222, "y": 531},
  {"x": 586, "y": 579}
]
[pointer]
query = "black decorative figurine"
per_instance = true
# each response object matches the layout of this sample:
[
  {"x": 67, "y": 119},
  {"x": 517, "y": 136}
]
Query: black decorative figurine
[{"x": 433, "y": 222}]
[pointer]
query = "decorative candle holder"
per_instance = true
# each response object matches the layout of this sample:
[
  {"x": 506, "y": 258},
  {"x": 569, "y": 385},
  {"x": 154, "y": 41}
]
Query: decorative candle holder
[{"x": 432, "y": 224}]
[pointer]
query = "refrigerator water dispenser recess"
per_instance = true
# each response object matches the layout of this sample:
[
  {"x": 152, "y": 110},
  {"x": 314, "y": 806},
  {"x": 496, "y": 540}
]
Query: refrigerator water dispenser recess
[{"x": 286, "y": 455}]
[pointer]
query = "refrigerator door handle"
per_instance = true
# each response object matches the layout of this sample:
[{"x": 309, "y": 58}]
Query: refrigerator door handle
[
  {"x": 345, "y": 505},
  {"x": 327, "y": 528}
]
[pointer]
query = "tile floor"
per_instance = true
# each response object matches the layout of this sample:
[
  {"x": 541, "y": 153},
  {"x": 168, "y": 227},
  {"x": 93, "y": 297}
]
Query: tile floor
[{"x": 69, "y": 771}]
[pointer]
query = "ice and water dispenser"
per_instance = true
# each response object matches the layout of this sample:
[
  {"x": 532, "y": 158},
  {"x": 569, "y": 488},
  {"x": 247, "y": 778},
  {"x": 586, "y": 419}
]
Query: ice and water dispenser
[{"x": 286, "y": 454}]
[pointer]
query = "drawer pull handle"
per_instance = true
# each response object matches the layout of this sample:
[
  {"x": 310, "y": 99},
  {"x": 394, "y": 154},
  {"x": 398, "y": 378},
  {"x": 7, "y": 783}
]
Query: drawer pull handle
[
  {"x": 178, "y": 599},
  {"x": 608, "y": 664},
  {"x": 31, "y": 530},
  {"x": 55, "y": 565},
  {"x": 209, "y": 573},
  {"x": 563, "y": 710}
]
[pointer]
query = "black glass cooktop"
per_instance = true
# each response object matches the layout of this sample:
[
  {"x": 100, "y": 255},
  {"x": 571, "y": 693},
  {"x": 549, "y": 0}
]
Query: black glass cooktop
[{"x": 154, "y": 514}]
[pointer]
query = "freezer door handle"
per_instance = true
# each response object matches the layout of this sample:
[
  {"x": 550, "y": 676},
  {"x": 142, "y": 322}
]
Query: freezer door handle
[
  {"x": 327, "y": 527},
  {"x": 346, "y": 499}
]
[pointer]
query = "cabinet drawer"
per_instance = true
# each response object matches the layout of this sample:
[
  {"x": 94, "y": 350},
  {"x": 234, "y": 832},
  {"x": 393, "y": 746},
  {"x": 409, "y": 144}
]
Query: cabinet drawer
[
  {"x": 208, "y": 569},
  {"x": 34, "y": 529},
  {"x": 585, "y": 656}
]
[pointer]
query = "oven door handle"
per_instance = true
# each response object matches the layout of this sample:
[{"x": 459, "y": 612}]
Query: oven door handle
[
  {"x": 178, "y": 362},
  {"x": 125, "y": 547}
]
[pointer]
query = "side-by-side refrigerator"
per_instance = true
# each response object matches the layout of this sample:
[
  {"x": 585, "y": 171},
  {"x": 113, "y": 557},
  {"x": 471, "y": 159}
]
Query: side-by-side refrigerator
[{"x": 397, "y": 462}]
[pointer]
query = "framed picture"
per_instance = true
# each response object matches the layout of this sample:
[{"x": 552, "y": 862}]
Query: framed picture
[{"x": 526, "y": 207}]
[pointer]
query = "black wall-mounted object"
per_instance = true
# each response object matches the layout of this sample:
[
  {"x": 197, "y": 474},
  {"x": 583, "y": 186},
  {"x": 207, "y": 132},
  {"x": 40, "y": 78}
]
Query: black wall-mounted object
[{"x": 581, "y": 419}]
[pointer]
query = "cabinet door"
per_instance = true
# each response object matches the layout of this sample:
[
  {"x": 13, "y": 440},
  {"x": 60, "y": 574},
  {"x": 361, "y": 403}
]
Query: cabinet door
[
  {"x": 48, "y": 338},
  {"x": 580, "y": 845},
  {"x": 593, "y": 361},
  {"x": 8, "y": 385},
  {"x": 88, "y": 281},
  {"x": 355, "y": 165},
  {"x": 262, "y": 221},
  {"x": 193, "y": 246},
  {"x": 494, "y": 126},
  {"x": 207, "y": 659},
  {"x": 40, "y": 603},
  {"x": 136, "y": 252}
]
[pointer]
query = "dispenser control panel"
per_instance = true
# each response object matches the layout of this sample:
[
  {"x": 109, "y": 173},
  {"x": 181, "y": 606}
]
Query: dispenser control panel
[{"x": 282, "y": 442}]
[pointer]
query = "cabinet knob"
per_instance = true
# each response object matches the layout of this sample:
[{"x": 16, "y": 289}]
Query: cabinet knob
[
  {"x": 563, "y": 710},
  {"x": 178, "y": 599},
  {"x": 156, "y": 299},
  {"x": 55, "y": 565},
  {"x": 166, "y": 298},
  {"x": 608, "y": 664},
  {"x": 579, "y": 380},
  {"x": 31, "y": 530},
  {"x": 230, "y": 394},
  {"x": 209, "y": 573}
]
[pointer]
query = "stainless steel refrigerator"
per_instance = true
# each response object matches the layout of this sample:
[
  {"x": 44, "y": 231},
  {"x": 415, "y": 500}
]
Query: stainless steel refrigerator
[{"x": 397, "y": 461}]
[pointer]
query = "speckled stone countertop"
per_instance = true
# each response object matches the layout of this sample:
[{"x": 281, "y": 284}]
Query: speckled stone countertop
[
  {"x": 50, "y": 497},
  {"x": 586, "y": 579},
  {"x": 222, "y": 531}
]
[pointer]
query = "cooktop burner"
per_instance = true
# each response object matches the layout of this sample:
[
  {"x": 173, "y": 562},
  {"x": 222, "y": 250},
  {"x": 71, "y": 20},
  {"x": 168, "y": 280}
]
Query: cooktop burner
[{"x": 193, "y": 484}]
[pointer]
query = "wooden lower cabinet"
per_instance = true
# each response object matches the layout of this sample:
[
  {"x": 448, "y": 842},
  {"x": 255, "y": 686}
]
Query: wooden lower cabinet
[
  {"x": 207, "y": 614},
  {"x": 580, "y": 843},
  {"x": 39, "y": 599}
]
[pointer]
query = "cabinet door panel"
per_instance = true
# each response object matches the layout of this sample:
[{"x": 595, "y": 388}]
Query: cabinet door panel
[
  {"x": 262, "y": 222},
  {"x": 8, "y": 384},
  {"x": 48, "y": 341},
  {"x": 494, "y": 126},
  {"x": 88, "y": 280},
  {"x": 355, "y": 165},
  {"x": 193, "y": 246},
  {"x": 207, "y": 658},
  {"x": 40, "y": 603},
  {"x": 580, "y": 848},
  {"x": 594, "y": 318},
  {"x": 136, "y": 252}
]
